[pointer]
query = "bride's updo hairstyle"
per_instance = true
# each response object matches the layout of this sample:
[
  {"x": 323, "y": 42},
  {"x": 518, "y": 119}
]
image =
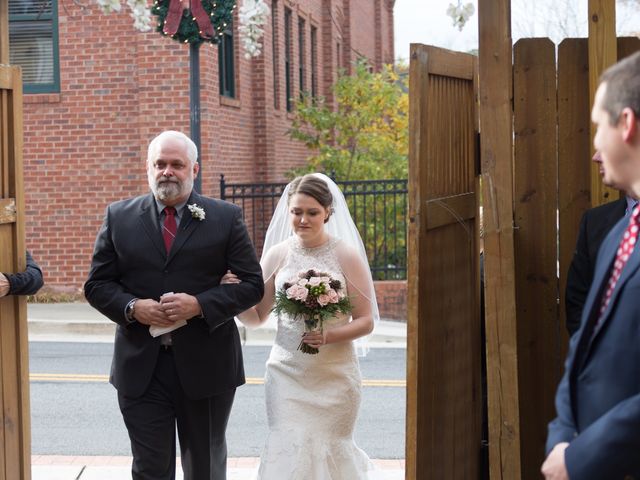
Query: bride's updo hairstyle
[{"x": 315, "y": 187}]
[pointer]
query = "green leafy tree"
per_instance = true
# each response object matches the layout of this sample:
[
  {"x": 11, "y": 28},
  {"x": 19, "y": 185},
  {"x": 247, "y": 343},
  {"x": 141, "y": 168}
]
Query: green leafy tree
[{"x": 366, "y": 136}]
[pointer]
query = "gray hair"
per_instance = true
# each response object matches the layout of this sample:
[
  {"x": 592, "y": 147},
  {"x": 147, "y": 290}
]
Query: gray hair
[{"x": 192, "y": 150}]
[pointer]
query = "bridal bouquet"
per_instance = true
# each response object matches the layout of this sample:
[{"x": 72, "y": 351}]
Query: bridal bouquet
[{"x": 312, "y": 297}]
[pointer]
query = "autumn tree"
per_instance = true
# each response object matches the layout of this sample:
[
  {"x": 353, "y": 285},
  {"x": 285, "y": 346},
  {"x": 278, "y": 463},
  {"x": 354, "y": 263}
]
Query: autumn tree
[{"x": 366, "y": 135}]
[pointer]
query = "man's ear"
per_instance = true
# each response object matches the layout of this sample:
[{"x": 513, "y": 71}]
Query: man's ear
[
  {"x": 196, "y": 169},
  {"x": 630, "y": 129}
]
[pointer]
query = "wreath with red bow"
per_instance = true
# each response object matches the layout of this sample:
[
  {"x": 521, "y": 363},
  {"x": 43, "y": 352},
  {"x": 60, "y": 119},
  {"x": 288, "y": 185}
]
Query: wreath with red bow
[{"x": 193, "y": 21}]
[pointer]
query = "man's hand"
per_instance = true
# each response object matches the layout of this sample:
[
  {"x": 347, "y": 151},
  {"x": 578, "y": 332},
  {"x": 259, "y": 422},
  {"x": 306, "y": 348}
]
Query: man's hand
[
  {"x": 179, "y": 306},
  {"x": 4, "y": 285},
  {"x": 229, "y": 278},
  {"x": 553, "y": 467},
  {"x": 150, "y": 312}
]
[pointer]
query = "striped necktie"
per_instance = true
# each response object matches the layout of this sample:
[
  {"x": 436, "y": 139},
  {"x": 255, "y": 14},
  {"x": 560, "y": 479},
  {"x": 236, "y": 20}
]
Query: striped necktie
[{"x": 625, "y": 249}]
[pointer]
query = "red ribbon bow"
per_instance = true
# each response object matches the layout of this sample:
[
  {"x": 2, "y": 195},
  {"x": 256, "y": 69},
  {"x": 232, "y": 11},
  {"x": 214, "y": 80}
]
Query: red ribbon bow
[{"x": 174, "y": 16}]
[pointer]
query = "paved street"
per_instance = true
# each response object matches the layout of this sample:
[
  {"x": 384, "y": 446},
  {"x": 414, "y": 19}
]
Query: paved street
[
  {"x": 74, "y": 410},
  {"x": 77, "y": 431}
]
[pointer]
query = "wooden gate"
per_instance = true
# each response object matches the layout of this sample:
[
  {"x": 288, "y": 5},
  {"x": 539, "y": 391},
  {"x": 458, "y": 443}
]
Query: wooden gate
[
  {"x": 443, "y": 431},
  {"x": 551, "y": 192},
  {"x": 549, "y": 155},
  {"x": 15, "y": 438}
]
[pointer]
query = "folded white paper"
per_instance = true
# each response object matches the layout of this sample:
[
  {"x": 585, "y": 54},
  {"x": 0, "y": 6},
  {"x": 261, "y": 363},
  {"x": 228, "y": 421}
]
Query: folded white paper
[{"x": 157, "y": 331}]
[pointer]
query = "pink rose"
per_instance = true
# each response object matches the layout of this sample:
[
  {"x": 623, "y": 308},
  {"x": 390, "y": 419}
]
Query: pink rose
[
  {"x": 315, "y": 281},
  {"x": 323, "y": 299},
  {"x": 302, "y": 282},
  {"x": 333, "y": 295},
  {"x": 297, "y": 292}
]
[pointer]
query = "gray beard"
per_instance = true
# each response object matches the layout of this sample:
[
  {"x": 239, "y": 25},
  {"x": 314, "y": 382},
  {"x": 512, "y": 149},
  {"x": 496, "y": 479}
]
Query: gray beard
[{"x": 167, "y": 191}]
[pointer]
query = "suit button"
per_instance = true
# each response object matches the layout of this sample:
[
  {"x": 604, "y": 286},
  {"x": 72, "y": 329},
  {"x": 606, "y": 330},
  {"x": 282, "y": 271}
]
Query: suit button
[{"x": 628, "y": 477}]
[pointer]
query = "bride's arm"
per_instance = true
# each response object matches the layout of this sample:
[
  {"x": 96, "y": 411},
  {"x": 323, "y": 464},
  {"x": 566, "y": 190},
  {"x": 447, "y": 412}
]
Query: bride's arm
[
  {"x": 359, "y": 285},
  {"x": 258, "y": 314}
]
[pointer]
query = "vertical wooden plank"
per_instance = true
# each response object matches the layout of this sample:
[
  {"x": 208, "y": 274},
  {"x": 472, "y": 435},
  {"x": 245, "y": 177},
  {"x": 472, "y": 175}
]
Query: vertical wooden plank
[
  {"x": 4, "y": 143},
  {"x": 602, "y": 53},
  {"x": 418, "y": 83},
  {"x": 443, "y": 351},
  {"x": 495, "y": 70},
  {"x": 574, "y": 159},
  {"x": 4, "y": 32},
  {"x": 6, "y": 258},
  {"x": 16, "y": 459},
  {"x": 627, "y": 46},
  {"x": 23, "y": 466},
  {"x": 535, "y": 182},
  {"x": 451, "y": 326}
]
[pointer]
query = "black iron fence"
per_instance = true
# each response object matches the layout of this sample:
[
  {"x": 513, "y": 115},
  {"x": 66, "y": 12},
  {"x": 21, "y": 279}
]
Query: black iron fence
[{"x": 378, "y": 208}]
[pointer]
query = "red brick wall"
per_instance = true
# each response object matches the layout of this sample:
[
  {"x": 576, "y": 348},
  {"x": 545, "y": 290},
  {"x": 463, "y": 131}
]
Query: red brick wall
[
  {"x": 392, "y": 299},
  {"x": 86, "y": 146}
]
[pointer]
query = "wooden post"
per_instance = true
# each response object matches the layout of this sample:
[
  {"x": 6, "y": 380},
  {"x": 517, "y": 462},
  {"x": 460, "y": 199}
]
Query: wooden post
[
  {"x": 602, "y": 53},
  {"x": 15, "y": 426},
  {"x": 15, "y": 429},
  {"x": 496, "y": 87}
]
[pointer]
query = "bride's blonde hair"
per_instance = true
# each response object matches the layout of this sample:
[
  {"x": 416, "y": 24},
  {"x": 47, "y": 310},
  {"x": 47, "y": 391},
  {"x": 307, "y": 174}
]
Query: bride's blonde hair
[{"x": 315, "y": 187}]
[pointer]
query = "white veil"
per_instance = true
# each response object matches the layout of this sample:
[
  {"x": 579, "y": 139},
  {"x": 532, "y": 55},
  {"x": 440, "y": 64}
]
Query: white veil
[{"x": 340, "y": 225}]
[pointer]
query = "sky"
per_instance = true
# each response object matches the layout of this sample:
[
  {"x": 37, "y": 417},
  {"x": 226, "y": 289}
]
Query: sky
[{"x": 426, "y": 21}]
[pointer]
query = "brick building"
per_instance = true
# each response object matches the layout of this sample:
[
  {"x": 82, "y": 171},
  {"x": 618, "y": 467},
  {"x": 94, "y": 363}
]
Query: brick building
[{"x": 96, "y": 91}]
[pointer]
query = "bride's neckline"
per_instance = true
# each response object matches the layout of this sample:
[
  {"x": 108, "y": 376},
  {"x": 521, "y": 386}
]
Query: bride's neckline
[{"x": 298, "y": 244}]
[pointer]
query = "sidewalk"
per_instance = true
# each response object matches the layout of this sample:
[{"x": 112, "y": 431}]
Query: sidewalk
[{"x": 78, "y": 322}]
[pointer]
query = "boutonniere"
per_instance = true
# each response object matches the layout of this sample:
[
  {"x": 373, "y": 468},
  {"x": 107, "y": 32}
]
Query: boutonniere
[{"x": 196, "y": 212}]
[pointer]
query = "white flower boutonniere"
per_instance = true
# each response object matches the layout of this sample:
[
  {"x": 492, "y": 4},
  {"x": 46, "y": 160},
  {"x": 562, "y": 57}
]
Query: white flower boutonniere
[{"x": 197, "y": 212}]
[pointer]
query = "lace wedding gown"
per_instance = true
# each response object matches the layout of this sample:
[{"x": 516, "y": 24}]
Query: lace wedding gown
[{"x": 312, "y": 400}]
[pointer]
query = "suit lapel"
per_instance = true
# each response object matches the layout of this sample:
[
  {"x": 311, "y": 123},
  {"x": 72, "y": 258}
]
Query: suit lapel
[
  {"x": 151, "y": 223},
  {"x": 603, "y": 271},
  {"x": 188, "y": 225},
  {"x": 627, "y": 272}
]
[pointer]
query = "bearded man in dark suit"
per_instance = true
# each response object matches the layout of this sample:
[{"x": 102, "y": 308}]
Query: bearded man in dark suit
[{"x": 156, "y": 272}]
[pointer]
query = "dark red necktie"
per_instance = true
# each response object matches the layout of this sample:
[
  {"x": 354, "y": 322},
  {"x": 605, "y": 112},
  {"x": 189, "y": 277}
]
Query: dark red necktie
[
  {"x": 627, "y": 244},
  {"x": 170, "y": 227}
]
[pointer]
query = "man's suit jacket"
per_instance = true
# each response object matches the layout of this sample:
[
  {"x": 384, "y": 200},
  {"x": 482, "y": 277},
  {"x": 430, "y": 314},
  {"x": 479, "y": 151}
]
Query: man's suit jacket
[
  {"x": 27, "y": 282},
  {"x": 594, "y": 226},
  {"x": 598, "y": 399},
  {"x": 130, "y": 261}
]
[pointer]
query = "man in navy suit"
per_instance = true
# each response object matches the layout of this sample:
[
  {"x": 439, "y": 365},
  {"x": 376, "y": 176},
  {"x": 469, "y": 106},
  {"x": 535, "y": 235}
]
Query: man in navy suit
[
  {"x": 157, "y": 265},
  {"x": 596, "y": 434}
]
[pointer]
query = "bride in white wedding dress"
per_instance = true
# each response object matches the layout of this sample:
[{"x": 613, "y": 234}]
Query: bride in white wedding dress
[{"x": 313, "y": 400}]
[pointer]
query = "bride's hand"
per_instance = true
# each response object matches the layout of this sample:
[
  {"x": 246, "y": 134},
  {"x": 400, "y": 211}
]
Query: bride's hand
[
  {"x": 315, "y": 339},
  {"x": 229, "y": 278}
]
